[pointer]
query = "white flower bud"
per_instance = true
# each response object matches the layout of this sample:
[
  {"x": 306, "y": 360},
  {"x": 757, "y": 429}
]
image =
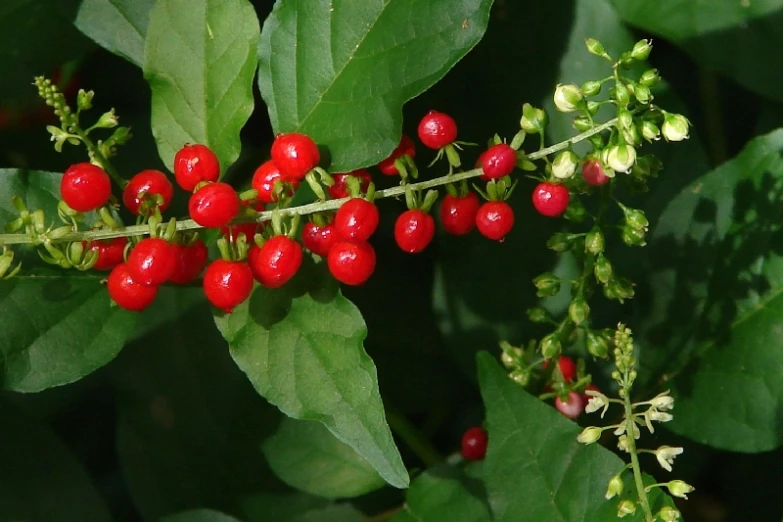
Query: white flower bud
[
  {"x": 621, "y": 157},
  {"x": 659, "y": 416},
  {"x": 589, "y": 435},
  {"x": 615, "y": 487},
  {"x": 567, "y": 97},
  {"x": 622, "y": 443},
  {"x": 564, "y": 164},
  {"x": 668, "y": 514},
  {"x": 675, "y": 127},
  {"x": 626, "y": 507},
  {"x": 662, "y": 401},
  {"x": 665, "y": 456},
  {"x": 680, "y": 489}
]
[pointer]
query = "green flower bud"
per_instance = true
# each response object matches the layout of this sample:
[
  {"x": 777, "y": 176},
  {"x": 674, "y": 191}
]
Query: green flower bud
[
  {"x": 626, "y": 507},
  {"x": 631, "y": 136},
  {"x": 668, "y": 514},
  {"x": 550, "y": 346},
  {"x": 624, "y": 119},
  {"x": 594, "y": 241},
  {"x": 647, "y": 166},
  {"x": 578, "y": 311},
  {"x": 589, "y": 435},
  {"x": 519, "y": 376},
  {"x": 539, "y": 315},
  {"x": 564, "y": 164},
  {"x": 533, "y": 120},
  {"x": 641, "y": 50},
  {"x": 559, "y": 242},
  {"x": 642, "y": 94},
  {"x": 575, "y": 211},
  {"x": 595, "y": 47},
  {"x": 635, "y": 218},
  {"x": 650, "y": 131},
  {"x": 568, "y": 98},
  {"x": 603, "y": 269},
  {"x": 590, "y": 88},
  {"x": 621, "y": 94},
  {"x": 675, "y": 127},
  {"x": 633, "y": 236},
  {"x": 508, "y": 360},
  {"x": 621, "y": 157},
  {"x": 84, "y": 100},
  {"x": 548, "y": 284},
  {"x": 597, "y": 345},
  {"x": 650, "y": 78},
  {"x": 592, "y": 107},
  {"x": 582, "y": 123},
  {"x": 618, "y": 289},
  {"x": 615, "y": 487},
  {"x": 679, "y": 489}
]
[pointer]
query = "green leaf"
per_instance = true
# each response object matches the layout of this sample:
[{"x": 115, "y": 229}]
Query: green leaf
[
  {"x": 40, "y": 481},
  {"x": 301, "y": 347},
  {"x": 118, "y": 26},
  {"x": 199, "y": 515},
  {"x": 535, "y": 469},
  {"x": 200, "y": 58},
  {"x": 712, "y": 331},
  {"x": 58, "y": 326},
  {"x": 306, "y": 456},
  {"x": 446, "y": 493},
  {"x": 298, "y": 507},
  {"x": 340, "y": 71}
]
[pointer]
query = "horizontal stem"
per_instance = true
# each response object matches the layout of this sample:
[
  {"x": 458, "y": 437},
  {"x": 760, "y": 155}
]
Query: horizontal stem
[{"x": 310, "y": 208}]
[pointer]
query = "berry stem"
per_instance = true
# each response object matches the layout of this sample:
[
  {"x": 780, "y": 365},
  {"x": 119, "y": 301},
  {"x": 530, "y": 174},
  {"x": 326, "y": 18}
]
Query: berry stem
[
  {"x": 301, "y": 210},
  {"x": 100, "y": 158}
]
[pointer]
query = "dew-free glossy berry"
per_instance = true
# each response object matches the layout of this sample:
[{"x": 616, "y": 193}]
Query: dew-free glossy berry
[
  {"x": 144, "y": 185},
  {"x": 85, "y": 187},
  {"x": 551, "y": 199},
  {"x": 340, "y": 187},
  {"x": 194, "y": 164},
  {"x": 264, "y": 180},
  {"x": 152, "y": 261},
  {"x": 110, "y": 253},
  {"x": 356, "y": 219},
  {"x": 572, "y": 406},
  {"x": 227, "y": 283},
  {"x": 319, "y": 239},
  {"x": 474, "y": 443},
  {"x": 495, "y": 219},
  {"x": 414, "y": 230},
  {"x": 594, "y": 174},
  {"x": 276, "y": 261},
  {"x": 458, "y": 214},
  {"x": 497, "y": 161},
  {"x": 214, "y": 205},
  {"x": 436, "y": 130},
  {"x": 405, "y": 148},
  {"x": 351, "y": 262},
  {"x": 190, "y": 261},
  {"x": 126, "y": 292},
  {"x": 295, "y": 155}
]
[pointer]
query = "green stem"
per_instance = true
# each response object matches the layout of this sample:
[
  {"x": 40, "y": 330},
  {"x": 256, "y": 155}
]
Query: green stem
[
  {"x": 637, "y": 469},
  {"x": 413, "y": 438},
  {"x": 301, "y": 210},
  {"x": 103, "y": 160}
]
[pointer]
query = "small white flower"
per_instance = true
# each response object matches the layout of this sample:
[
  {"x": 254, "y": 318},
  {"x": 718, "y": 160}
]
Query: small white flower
[
  {"x": 564, "y": 164},
  {"x": 621, "y": 157},
  {"x": 659, "y": 416},
  {"x": 668, "y": 514},
  {"x": 665, "y": 456},
  {"x": 622, "y": 443},
  {"x": 567, "y": 97},
  {"x": 615, "y": 487},
  {"x": 675, "y": 127},
  {"x": 596, "y": 402},
  {"x": 589, "y": 435},
  {"x": 662, "y": 401},
  {"x": 626, "y": 507}
]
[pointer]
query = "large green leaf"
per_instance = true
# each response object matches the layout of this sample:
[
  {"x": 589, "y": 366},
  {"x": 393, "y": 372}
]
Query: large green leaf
[
  {"x": 58, "y": 326},
  {"x": 446, "y": 493},
  {"x": 298, "y": 507},
  {"x": 535, "y": 469},
  {"x": 716, "y": 286},
  {"x": 199, "y": 515},
  {"x": 40, "y": 481},
  {"x": 732, "y": 37},
  {"x": 199, "y": 59},
  {"x": 340, "y": 71},
  {"x": 118, "y": 26},
  {"x": 301, "y": 347},
  {"x": 305, "y": 455}
]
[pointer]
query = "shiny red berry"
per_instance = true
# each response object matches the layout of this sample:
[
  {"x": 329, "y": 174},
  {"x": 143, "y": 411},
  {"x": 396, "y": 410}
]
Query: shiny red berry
[
  {"x": 567, "y": 367},
  {"x": 110, "y": 253},
  {"x": 152, "y": 261},
  {"x": 474, "y": 444},
  {"x": 144, "y": 184},
  {"x": 405, "y": 148},
  {"x": 214, "y": 205},
  {"x": 498, "y": 161},
  {"x": 593, "y": 173},
  {"x": 190, "y": 261},
  {"x": 356, "y": 219},
  {"x": 340, "y": 187},
  {"x": 436, "y": 130},
  {"x": 85, "y": 187},
  {"x": 414, "y": 230},
  {"x": 572, "y": 406},
  {"x": 264, "y": 180},
  {"x": 351, "y": 262},
  {"x": 295, "y": 155},
  {"x": 458, "y": 214},
  {"x": 276, "y": 261},
  {"x": 227, "y": 283},
  {"x": 319, "y": 239},
  {"x": 551, "y": 199},
  {"x": 194, "y": 164},
  {"x": 495, "y": 219},
  {"x": 234, "y": 231},
  {"x": 126, "y": 292}
]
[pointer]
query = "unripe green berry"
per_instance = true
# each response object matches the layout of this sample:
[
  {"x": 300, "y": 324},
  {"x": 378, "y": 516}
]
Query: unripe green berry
[
  {"x": 650, "y": 78},
  {"x": 548, "y": 284},
  {"x": 633, "y": 236},
  {"x": 560, "y": 242},
  {"x": 650, "y": 131},
  {"x": 578, "y": 311},
  {"x": 642, "y": 94},
  {"x": 550, "y": 346},
  {"x": 582, "y": 123},
  {"x": 635, "y": 218},
  {"x": 597, "y": 345},
  {"x": 621, "y": 94},
  {"x": 575, "y": 211},
  {"x": 641, "y": 50},
  {"x": 603, "y": 269},
  {"x": 590, "y": 88},
  {"x": 539, "y": 314},
  {"x": 594, "y": 241},
  {"x": 595, "y": 47},
  {"x": 521, "y": 377}
]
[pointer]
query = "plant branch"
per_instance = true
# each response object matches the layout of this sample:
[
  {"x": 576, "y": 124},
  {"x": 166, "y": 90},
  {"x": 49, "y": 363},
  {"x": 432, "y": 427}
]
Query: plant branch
[
  {"x": 635, "y": 466},
  {"x": 310, "y": 208},
  {"x": 98, "y": 155}
]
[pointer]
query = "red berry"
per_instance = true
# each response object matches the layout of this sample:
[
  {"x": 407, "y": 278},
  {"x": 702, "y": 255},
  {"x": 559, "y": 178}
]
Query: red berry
[
  {"x": 436, "y": 130},
  {"x": 594, "y": 174},
  {"x": 351, "y": 262},
  {"x": 214, "y": 205},
  {"x": 340, "y": 187},
  {"x": 295, "y": 155},
  {"x": 498, "y": 161},
  {"x": 85, "y": 187},
  {"x": 405, "y": 148},
  {"x": 126, "y": 292},
  {"x": 190, "y": 261},
  {"x": 227, "y": 283},
  {"x": 264, "y": 180},
  {"x": 234, "y": 231},
  {"x": 147, "y": 183},
  {"x": 194, "y": 164},
  {"x": 275, "y": 262},
  {"x": 356, "y": 219},
  {"x": 414, "y": 230},
  {"x": 110, "y": 253},
  {"x": 319, "y": 239},
  {"x": 495, "y": 219},
  {"x": 585, "y": 397},
  {"x": 458, "y": 215},
  {"x": 152, "y": 261},
  {"x": 474, "y": 444},
  {"x": 551, "y": 199},
  {"x": 572, "y": 407},
  {"x": 567, "y": 367}
]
